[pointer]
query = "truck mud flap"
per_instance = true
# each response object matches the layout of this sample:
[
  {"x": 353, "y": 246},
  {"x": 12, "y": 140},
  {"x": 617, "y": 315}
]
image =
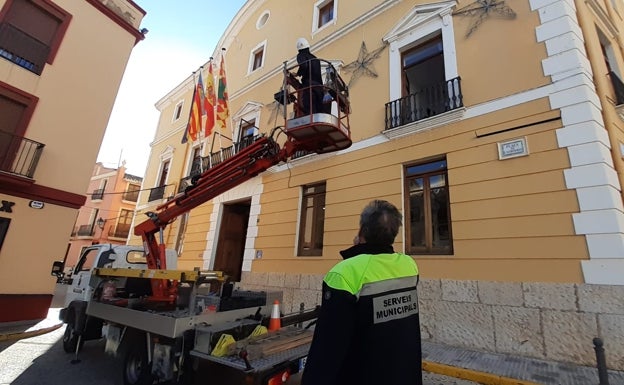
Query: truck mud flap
[
  {"x": 63, "y": 314},
  {"x": 80, "y": 315}
]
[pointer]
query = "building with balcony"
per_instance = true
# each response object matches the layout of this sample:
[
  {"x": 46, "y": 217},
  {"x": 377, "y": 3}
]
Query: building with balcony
[
  {"x": 496, "y": 128},
  {"x": 61, "y": 63},
  {"x": 106, "y": 216}
]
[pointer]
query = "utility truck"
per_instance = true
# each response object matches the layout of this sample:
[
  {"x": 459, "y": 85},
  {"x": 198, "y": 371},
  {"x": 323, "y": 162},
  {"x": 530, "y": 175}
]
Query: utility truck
[{"x": 191, "y": 326}]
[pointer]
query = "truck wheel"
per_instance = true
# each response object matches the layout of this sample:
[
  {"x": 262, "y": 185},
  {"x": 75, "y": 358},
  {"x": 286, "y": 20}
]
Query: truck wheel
[
  {"x": 70, "y": 339},
  {"x": 136, "y": 368}
]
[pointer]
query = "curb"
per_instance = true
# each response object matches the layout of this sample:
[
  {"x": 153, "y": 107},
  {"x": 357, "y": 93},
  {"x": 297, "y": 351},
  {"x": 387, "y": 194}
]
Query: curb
[
  {"x": 472, "y": 375},
  {"x": 33, "y": 333}
]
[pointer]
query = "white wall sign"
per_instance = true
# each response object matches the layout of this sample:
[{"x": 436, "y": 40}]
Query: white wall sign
[
  {"x": 36, "y": 204},
  {"x": 513, "y": 148}
]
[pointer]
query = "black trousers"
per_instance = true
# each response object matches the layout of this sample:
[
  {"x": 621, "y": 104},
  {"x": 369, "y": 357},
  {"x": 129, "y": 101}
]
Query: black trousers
[{"x": 312, "y": 99}]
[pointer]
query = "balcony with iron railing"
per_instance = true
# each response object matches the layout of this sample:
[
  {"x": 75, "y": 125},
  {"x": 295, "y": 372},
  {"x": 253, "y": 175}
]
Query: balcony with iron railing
[
  {"x": 22, "y": 49},
  {"x": 120, "y": 231},
  {"x": 187, "y": 182},
  {"x": 156, "y": 193},
  {"x": 424, "y": 103},
  {"x": 214, "y": 159},
  {"x": 84, "y": 230},
  {"x": 19, "y": 155},
  {"x": 97, "y": 194}
]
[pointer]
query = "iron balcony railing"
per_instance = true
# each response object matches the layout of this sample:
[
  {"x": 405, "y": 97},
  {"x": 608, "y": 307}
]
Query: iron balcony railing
[
  {"x": 214, "y": 159},
  {"x": 219, "y": 156},
  {"x": 22, "y": 49},
  {"x": 424, "y": 103},
  {"x": 618, "y": 87},
  {"x": 19, "y": 155},
  {"x": 156, "y": 193},
  {"x": 97, "y": 194},
  {"x": 85, "y": 230},
  {"x": 187, "y": 182}
]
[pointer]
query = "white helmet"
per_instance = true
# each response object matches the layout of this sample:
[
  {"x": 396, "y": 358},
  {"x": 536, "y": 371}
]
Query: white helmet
[{"x": 302, "y": 43}]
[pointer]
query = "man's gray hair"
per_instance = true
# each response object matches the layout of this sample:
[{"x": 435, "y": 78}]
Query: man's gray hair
[{"x": 379, "y": 222}]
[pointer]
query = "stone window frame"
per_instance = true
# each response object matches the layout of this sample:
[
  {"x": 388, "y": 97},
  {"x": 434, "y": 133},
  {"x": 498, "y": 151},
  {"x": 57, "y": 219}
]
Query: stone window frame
[
  {"x": 259, "y": 49},
  {"x": 318, "y": 6},
  {"x": 426, "y": 173}
]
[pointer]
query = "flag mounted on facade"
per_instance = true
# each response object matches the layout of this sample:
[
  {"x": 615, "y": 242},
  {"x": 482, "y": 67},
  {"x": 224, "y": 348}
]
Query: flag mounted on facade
[
  {"x": 210, "y": 101},
  {"x": 222, "y": 98},
  {"x": 194, "y": 125},
  {"x": 202, "y": 95}
]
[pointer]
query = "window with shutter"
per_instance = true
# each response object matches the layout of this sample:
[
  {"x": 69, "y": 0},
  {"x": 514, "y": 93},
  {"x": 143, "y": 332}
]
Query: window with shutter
[{"x": 31, "y": 32}]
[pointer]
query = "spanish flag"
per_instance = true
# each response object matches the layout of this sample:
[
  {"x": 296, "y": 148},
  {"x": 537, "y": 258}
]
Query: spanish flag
[
  {"x": 210, "y": 101},
  {"x": 222, "y": 98}
]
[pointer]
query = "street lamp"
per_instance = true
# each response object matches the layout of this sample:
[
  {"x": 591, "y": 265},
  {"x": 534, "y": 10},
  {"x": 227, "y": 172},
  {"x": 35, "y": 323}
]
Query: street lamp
[{"x": 100, "y": 222}]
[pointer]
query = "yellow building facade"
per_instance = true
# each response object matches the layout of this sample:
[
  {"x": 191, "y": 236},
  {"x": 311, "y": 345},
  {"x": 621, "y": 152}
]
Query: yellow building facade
[
  {"x": 61, "y": 63},
  {"x": 497, "y": 129}
]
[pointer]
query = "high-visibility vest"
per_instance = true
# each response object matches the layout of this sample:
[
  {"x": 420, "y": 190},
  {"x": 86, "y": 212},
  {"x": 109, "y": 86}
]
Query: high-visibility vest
[
  {"x": 367, "y": 269},
  {"x": 374, "y": 315}
]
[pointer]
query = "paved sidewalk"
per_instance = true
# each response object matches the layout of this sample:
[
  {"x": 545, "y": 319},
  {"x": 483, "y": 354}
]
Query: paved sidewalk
[
  {"x": 477, "y": 366},
  {"x": 12, "y": 331},
  {"x": 504, "y": 369}
]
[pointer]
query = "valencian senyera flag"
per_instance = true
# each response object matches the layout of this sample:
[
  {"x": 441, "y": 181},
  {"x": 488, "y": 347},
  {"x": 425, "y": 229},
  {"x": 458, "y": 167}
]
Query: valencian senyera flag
[
  {"x": 210, "y": 101},
  {"x": 194, "y": 125},
  {"x": 222, "y": 98}
]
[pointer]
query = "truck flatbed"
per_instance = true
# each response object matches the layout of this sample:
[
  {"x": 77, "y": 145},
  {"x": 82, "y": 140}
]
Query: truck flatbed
[
  {"x": 258, "y": 364},
  {"x": 166, "y": 323}
]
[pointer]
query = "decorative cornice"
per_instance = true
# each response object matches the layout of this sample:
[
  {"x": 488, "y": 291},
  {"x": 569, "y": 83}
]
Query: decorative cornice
[
  {"x": 138, "y": 35},
  {"x": 177, "y": 93},
  {"x": 603, "y": 17},
  {"x": 133, "y": 178},
  {"x": 249, "y": 107},
  {"x": 165, "y": 138},
  {"x": 417, "y": 16},
  {"x": 167, "y": 152}
]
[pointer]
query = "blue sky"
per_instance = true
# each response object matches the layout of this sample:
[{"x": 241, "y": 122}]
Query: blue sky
[{"x": 182, "y": 36}]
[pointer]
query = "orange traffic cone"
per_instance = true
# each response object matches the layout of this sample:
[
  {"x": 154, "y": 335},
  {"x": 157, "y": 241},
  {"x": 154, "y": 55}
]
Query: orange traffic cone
[{"x": 276, "y": 321}]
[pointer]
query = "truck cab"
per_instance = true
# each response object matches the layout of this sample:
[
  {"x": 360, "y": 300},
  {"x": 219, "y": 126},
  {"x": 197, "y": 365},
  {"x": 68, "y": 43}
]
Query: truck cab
[
  {"x": 105, "y": 256},
  {"x": 81, "y": 285}
]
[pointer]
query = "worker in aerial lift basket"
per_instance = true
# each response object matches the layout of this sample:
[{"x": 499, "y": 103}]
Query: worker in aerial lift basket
[
  {"x": 368, "y": 329},
  {"x": 311, "y": 78}
]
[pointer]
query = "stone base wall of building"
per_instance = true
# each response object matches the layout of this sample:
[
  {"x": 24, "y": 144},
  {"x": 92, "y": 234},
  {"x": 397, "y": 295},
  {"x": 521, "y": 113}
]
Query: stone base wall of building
[{"x": 550, "y": 321}]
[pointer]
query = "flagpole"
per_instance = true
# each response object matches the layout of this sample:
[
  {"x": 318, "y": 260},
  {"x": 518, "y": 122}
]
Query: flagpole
[
  {"x": 228, "y": 119},
  {"x": 210, "y": 113},
  {"x": 201, "y": 131},
  {"x": 184, "y": 218},
  {"x": 222, "y": 114},
  {"x": 193, "y": 100},
  {"x": 201, "y": 125}
]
